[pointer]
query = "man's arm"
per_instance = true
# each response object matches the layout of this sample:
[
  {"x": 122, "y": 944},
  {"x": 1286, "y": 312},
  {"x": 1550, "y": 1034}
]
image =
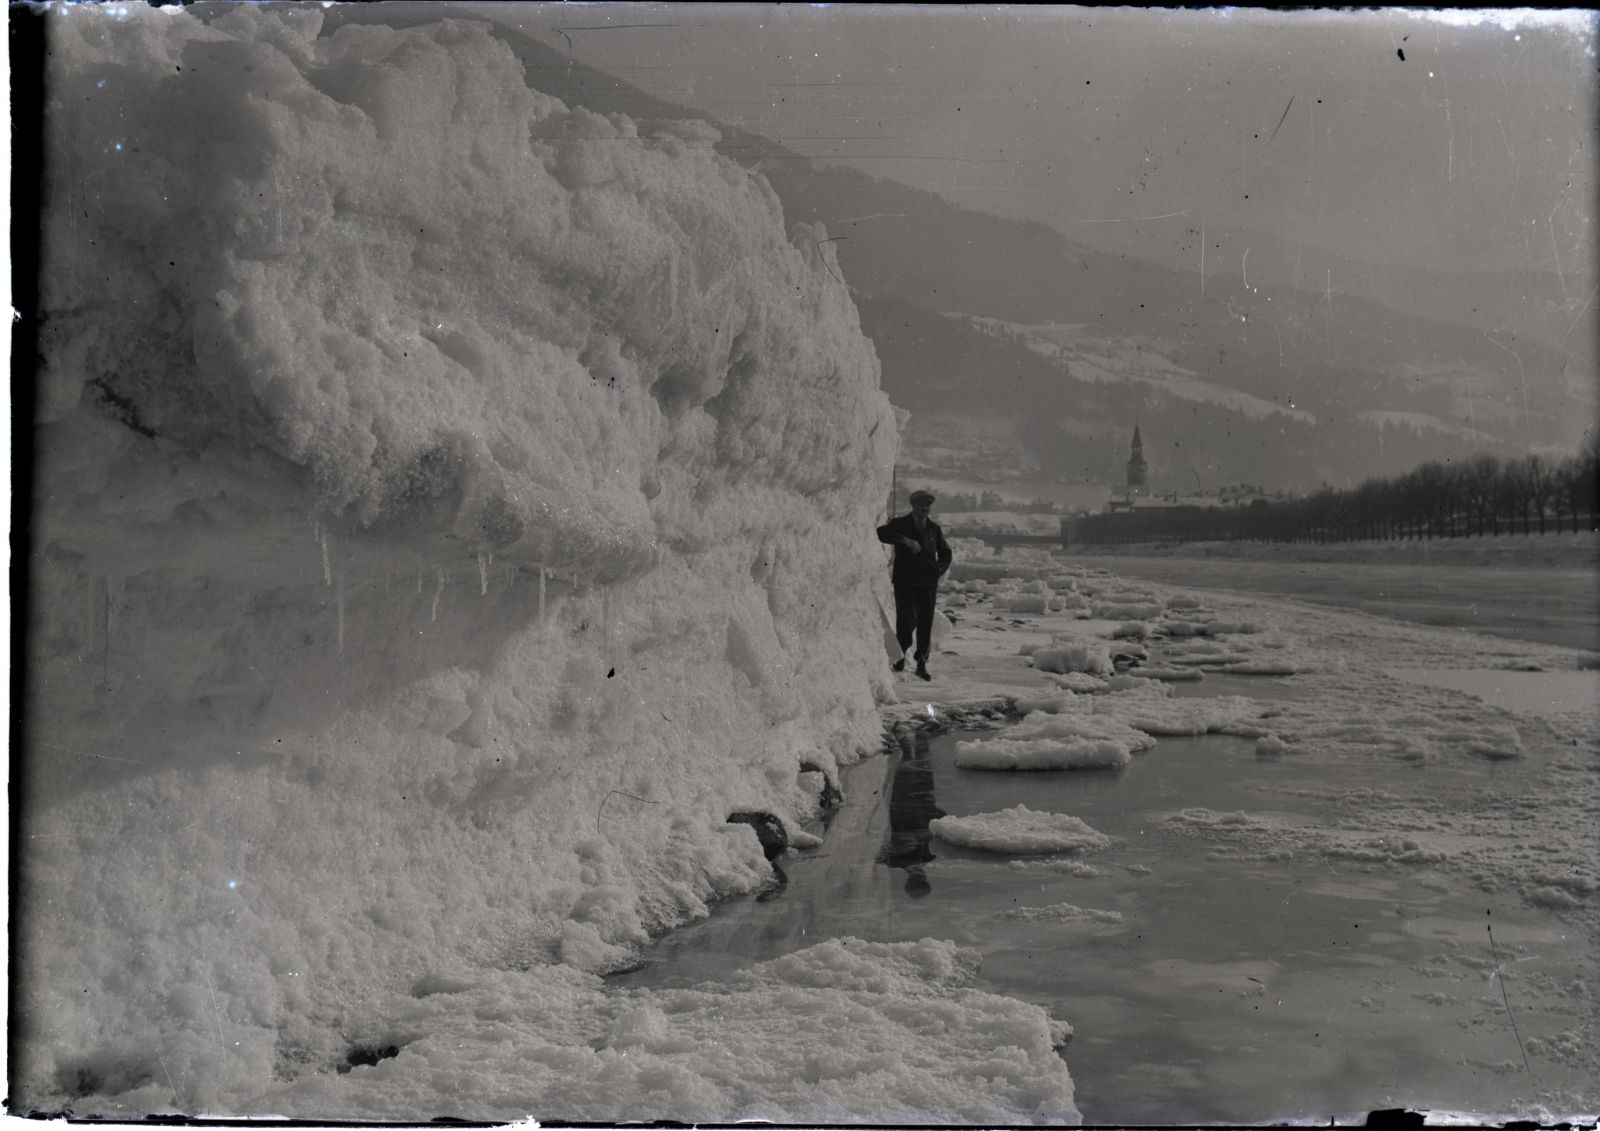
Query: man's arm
[
  {"x": 945, "y": 556},
  {"x": 890, "y": 534}
]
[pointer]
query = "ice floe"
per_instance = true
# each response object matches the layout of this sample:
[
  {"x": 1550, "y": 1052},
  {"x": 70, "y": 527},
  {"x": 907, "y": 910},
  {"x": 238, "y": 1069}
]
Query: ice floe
[{"x": 1020, "y": 831}]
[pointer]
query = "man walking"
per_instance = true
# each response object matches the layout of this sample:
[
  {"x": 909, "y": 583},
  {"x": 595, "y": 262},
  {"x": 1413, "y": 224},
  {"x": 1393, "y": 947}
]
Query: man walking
[{"x": 921, "y": 556}]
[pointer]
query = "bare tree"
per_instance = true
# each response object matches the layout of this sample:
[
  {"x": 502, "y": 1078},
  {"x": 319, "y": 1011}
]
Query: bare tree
[
  {"x": 1577, "y": 478},
  {"x": 1423, "y": 496},
  {"x": 1477, "y": 480},
  {"x": 1510, "y": 496},
  {"x": 1539, "y": 475}
]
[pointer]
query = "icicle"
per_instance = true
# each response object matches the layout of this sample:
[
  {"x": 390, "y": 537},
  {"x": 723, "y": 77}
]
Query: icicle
[
  {"x": 338, "y": 602},
  {"x": 327, "y": 570},
  {"x": 437, "y": 590},
  {"x": 419, "y": 573},
  {"x": 541, "y": 592},
  {"x": 485, "y": 560},
  {"x": 105, "y": 644},
  {"x": 113, "y": 599},
  {"x": 605, "y": 621},
  {"x": 91, "y": 613}
]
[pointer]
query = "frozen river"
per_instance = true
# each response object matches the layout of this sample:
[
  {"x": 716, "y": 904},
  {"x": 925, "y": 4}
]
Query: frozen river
[
  {"x": 1203, "y": 986},
  {"x": 1545, "y": 605}
]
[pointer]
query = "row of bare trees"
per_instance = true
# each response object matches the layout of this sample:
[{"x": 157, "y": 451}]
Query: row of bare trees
[{"x": 1482, "y": 495}]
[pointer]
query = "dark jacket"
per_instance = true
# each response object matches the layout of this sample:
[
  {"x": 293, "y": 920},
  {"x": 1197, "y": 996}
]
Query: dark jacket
[{"x": 923, "y": 568}]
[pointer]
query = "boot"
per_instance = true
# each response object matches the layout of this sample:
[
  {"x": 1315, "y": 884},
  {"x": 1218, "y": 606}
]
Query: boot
[
  {"x": 899, "y": 665},
  {"x": 922, "y": 670}
]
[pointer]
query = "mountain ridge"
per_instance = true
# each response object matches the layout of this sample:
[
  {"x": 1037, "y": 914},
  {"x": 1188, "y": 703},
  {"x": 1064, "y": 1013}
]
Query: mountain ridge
[{"x": 1381, "y": 382}]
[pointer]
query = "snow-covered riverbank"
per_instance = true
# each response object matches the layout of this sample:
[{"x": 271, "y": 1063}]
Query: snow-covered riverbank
[
  {"x": 1351, "y": 694},
  {"x": 448, "y": 511},
  {"x": 1550, "y": 604},
  {"x": 1402, "y": 728},
  {"x": 1368, "y": 682},
  {"x": 451, "y": 507}
]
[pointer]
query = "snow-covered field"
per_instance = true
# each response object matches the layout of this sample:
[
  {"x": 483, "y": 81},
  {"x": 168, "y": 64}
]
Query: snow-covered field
[
  {"x": 1565, "y": 550},
  {"x": 1097, "y": 356},
  {"x": 1538, "y": 589},
  {"x": 452, "y": 506}
]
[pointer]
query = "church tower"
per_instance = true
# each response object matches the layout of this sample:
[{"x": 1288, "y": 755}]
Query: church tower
[{"x": 1136, "y": 467}]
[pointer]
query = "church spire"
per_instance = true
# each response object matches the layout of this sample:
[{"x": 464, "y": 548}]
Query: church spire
[{"x": 1136, "y": 466}]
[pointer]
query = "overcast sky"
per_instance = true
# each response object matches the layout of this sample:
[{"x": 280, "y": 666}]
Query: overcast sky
[{"x": 1123, "y": 127}]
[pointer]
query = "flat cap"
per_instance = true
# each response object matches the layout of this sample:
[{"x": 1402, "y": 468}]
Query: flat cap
[{"x": 920, "y": 496}]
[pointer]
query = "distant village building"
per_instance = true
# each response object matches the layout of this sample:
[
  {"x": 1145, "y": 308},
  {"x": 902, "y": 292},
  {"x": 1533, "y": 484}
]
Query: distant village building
[
  {"x": 1136, "y": 468},
  {"x": 1136, "y": 490},
  {"x": 1135, "y": 499}
]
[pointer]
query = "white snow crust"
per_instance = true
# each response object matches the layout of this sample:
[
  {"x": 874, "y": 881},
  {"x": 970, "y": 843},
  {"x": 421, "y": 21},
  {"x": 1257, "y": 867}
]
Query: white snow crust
[
  {"x": 452, "y": 504},
  {"x": 1052, "y": 739},
  {"x": 1020, "y": 831},
  {"x": 1449, "y": 763},
  {"x": 845, "y": 1031}
]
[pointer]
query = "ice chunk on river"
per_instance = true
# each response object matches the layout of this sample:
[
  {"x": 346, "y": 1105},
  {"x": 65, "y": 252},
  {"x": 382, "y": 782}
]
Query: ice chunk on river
[
  {"x": 1020, "y": 831},
  {"x": 1046, "y": 741}
]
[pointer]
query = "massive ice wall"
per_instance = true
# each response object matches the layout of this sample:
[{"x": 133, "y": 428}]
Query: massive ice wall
[{"x": 450, "y": 505}]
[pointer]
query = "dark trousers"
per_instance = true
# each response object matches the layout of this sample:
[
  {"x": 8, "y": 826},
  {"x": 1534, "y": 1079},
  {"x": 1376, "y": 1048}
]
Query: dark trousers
[{"x": 913, "y": 612}]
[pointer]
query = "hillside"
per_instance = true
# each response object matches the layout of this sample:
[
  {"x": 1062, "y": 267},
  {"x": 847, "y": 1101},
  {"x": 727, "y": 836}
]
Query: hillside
[
  {"x": 1384, "y": 387},
  {"x": 1072, "y": 408},
  {"x": 1336, "y": 355}
]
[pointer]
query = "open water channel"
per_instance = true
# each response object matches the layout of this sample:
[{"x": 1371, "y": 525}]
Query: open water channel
[{"x": 1202, "y": 987}]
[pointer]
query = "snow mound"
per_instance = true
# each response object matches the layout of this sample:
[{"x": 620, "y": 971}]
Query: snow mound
[
  {"x": 1056, "y": 740},
  {"x": 1080, "y": 683},
  {"x": 1049, "y": 704},
  {"x": 1022, "y": 603},
  {"x": 463, "y": 501},
  {"x": 1173, "y": 675},
  {"x": 1267, "y": 654},
  {"x": 1062, "y": 656},
  {"x": 1040, "y": 754},
  {"x": 1126, "y": 681},
  {"x": 1151, "y": 708},
  {"x": 1124, "y": 610},
  {"x": 1271, "y": 746},
  {"x": 874, "y": 1033},
  {"x": 1020, "y": 831},
  {"x": 1409, "y": 735},
  {"x": 1228, "y": 627}
]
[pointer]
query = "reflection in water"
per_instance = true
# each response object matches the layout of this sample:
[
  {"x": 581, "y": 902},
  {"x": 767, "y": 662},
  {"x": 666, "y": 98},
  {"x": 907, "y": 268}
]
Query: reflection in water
[
  {"x": 911, "y": 807},
  {"x": 1235, "y": 990},
  {"x": 777, "y": 886}
]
